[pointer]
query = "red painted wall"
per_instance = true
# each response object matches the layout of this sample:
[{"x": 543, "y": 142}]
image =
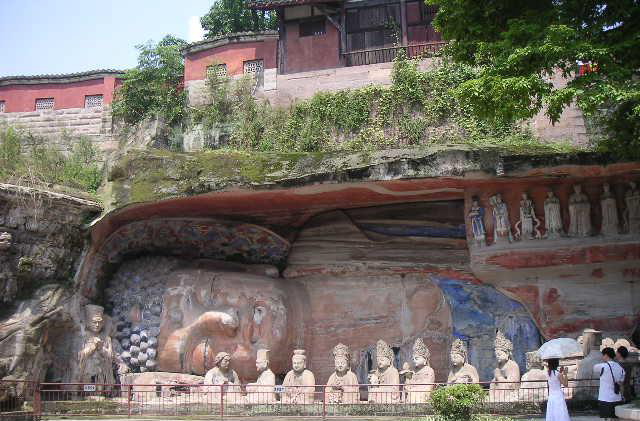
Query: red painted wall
[
  {"x": 233, "y": 55},
  {"x": 20, "y": 98},
  {"x": 313, "y": 52}
]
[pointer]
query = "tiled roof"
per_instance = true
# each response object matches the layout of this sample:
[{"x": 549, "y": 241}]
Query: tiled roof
[
  {"x": 59, "y": 78},
  {"x": 205, "y": 44},
  {"x": 272, "y": 4}
]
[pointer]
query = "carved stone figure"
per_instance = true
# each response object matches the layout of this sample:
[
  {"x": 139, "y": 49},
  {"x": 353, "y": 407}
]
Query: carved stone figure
[
  {"x": 527, "y": 228},
  {"x": 609, "y": 211},
  {"x": 588, "y": 389},
  {"x": 506, "y": 377},
  {"x": 223, "y": 374},
  {"x": 461, "y": 370},
  {"x": 533, "y": 385},
  {"x": 96, "y": 357},
  {"x": 476, "y": 215},
  {"x": 501, "y": 224},
  {"x": 579, "y": 213},
  {"x": 299, "y": 382},
  {"x": 419, "y": 385},
  {"x": 552, "y": 217},
  {"x": 262, "y": 391},
  {"x": 5, "y": 240},
  {"x": 632, "y": 212},
  {"x": 387, "y": 378},
  {"x": 343, "y": 382}
]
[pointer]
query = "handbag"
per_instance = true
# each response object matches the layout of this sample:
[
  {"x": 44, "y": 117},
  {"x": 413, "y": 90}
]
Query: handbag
[{"x": 616, "y": 385}]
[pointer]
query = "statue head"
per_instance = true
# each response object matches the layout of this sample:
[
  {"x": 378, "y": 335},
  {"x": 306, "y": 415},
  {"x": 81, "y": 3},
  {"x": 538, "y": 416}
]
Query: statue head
[
  {"x": 633, "y": 185},
  {"x": 262, "y": 360},
  {"x": 550, "y": 194},
  {"x": 498, "y": 198},
  {"x": 421, "y": 354},
  {"x": 458, "y": 353},
  {"x": 95, "y": 317},
  {"x": 475, "y": 201},
  {"x": 222, "y": 360},
  {"x": 525, "y": 196},
  {"x": 341, "y": 358},
  {"x": 577, "y": 188},
  {"x": 299, "y": 361},
  {"x": 503, "y": 347},
  {"x": 606, "y": 188},
  {"x": 384, "y": 355}
]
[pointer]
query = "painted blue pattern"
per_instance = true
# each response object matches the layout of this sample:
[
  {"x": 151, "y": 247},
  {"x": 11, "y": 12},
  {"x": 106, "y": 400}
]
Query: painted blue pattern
[{"x": 477, "y": 311}]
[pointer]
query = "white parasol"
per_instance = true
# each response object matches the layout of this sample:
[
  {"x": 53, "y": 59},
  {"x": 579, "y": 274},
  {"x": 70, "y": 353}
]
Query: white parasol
[{"x": 559, "y": 348}]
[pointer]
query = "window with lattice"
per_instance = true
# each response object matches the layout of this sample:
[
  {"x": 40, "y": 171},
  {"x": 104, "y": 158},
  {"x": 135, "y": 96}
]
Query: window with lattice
[
  {"x": 93, "y": 101},
  {"x": 44, "y": 104},
  {"x": 1, "y": 106},
  {"x": 218, "y": 70},
  {"x": 253, "y": 67}
]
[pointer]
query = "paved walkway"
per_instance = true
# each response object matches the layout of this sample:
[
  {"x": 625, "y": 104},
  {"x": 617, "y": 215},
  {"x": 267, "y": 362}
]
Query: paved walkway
[{"x": 291, "y": 418}]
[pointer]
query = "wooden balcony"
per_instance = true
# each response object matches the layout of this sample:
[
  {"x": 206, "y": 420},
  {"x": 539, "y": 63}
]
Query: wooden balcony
[{"x": 388, "y": 54}]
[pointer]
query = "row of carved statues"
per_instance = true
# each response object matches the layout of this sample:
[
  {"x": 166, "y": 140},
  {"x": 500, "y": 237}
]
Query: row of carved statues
[{"x": 528, "y": 226}]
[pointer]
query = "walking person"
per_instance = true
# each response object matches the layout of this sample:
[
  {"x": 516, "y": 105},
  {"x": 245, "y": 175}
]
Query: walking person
[
  {"x": 628, "y": 392},
  {"x": 611, "y": 377},
  {"x": 556, "y": 405}
]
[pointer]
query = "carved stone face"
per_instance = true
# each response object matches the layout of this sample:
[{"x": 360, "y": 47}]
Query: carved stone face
[
  {"x": 606, "y": 188},
  {"x": 96, "y": 324},
  {"x": 501, "y": 356},
  {"x": 341, "y": 364},
  {"x": 549, "y": 194},
  {"x": 261, "y": 365},
  {"x": 298, "y": 363},
  {"x": 225, "y": 362},
  {"x": 577, "y": 188},
  {"x": 383, "y": 362},
  {"x": 456, "y": 359},
  {"x": 419, "y": 361}
]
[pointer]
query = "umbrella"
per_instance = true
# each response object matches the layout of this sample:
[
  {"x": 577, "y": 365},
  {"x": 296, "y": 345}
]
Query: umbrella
[{"x": 559, "y": 348}]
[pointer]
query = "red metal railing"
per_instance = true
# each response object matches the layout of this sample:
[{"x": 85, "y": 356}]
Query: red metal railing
[{"x": 387, "y": 54}]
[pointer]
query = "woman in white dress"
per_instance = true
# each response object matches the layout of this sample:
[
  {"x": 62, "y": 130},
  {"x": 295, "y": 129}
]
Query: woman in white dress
[{"x": 556, "y": 406}]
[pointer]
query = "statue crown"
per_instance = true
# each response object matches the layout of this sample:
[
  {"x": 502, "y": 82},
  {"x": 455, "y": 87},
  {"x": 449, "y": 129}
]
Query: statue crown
[
  {"x": 458, "y": 347},
  {"x": 384, "y": 350},
  {"x": 502, "y": 343},
  {"x": 341, "y": 350},
  {"x": 419, "y": 348}
]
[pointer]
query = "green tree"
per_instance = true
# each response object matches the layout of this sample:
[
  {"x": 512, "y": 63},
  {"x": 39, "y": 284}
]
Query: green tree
[
  {"x": 519, "y": 44},
  {"x": 154, "y": 86},
  {"x": 230, "y": 16}
]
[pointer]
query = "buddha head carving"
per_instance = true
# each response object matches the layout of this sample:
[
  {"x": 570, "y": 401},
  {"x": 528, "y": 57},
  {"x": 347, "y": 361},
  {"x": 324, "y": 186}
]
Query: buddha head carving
[
  {"x": 299, "y": 361},
  {"x": 384, "y": 355},
  {"x": 262, "y": 360},
  {"x": 421, "y": 354},
  {"x": 341, "y": 358},
  {"x": 503, "y": 347},
  {"x": 458, "y": 353},
  {"x": 95, "y": 318},
  {"x": 222, "y": 361},
  {"x": 208, "y": 306}
]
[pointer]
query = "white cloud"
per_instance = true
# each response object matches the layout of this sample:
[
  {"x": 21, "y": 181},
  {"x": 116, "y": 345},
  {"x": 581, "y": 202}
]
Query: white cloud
[{"x": 195, "y": 33}]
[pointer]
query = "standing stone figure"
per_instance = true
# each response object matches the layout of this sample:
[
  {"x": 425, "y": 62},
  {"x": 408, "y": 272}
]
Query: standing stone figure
[
  {"x": 387, "y": 378},
  {"x": 609, "y": 211},
  {"x": 96, "y": 358},
  {"x": 223, "y": 374},
  {"x": 262, "y": 391},
  {"x": 552, "y": 217},
  {"x": 299, "y": 383},
  {"x": 501, "y": 224},
  {"x": 506, "y": 377},
  {"x": 632, "y": 213},
  {"x": 579, "y": 213},
  {"x": 528, "y": 222},
  {"x": 420, "y": 384},
  {"x": 476, "y": 215},
  {"x": 461, "y": 370},
  {"x": 343, "y": 382},
  {"x": 533, "y": 387}
]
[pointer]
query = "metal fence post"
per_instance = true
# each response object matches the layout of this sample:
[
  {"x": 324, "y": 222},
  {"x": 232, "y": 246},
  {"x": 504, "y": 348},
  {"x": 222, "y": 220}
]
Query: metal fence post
[
  {"x": 129, "y": 397},
  {"x": 324, "y": 402},
  {"x": 37, "y": 401},
  {"x": 221, "y": 401}
]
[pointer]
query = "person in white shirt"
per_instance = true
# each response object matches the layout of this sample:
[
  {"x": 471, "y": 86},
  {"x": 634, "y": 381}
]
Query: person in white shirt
[{"x": 610, "y": 373}]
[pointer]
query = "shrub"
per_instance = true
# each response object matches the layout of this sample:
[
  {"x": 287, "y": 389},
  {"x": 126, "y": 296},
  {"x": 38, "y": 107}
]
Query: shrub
[{"x": 457, "y": 402}]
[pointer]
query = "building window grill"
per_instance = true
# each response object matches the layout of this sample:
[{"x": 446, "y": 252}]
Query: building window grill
[
  {"x": 254, "y": 67},
  {"x": 315, "y": 27},
  {"x": 218, "y": 70},
  {"x": 1, "y": 106},
  {"x": 93, "y": 101},
  {"x": 44, "y": 104}
]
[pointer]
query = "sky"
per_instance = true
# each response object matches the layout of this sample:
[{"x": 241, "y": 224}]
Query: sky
[{"x": 67, "y": 36}]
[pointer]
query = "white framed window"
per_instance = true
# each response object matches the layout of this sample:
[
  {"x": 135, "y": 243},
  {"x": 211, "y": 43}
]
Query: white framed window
[
  {"x": 93, "y": 101},
  {"x": 44, "y": 104},
  {"x": 1, "y": 106},
  {"x": 253, "y": 67},
  {"x": 219, "y": 70}
]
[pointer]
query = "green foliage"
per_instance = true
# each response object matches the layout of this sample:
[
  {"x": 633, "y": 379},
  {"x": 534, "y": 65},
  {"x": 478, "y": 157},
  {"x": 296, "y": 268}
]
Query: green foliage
[
  {"x": 230, "y": 16},
  {"x": 154, "y": 86},
  {"x": 418, "y": 108},
  {"x": 517, "y": 45},
  {"x": 41, "y": 164},
  {"x": 458, "y": 402}
]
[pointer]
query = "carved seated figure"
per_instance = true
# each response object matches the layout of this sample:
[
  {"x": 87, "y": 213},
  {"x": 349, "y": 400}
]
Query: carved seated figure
[
  {"x": 386, "y": 378},
  {"x": 419, "y": 385},
  {"x": 96, "y": 357},
  {"x": 223, "y": 375},
  {"x": 299, "y": 383},
  {"x": 506, "y": 377},
  {"x": 343, "y": 382},
  {"x": 262, "y": 391},
  {"x": 533, "y": 387},
  {"x": 461, "y": 370}
]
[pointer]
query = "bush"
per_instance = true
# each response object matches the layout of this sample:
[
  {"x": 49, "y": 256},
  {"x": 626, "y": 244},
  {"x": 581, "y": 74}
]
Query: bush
[{"x": 457, "y": 402}]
